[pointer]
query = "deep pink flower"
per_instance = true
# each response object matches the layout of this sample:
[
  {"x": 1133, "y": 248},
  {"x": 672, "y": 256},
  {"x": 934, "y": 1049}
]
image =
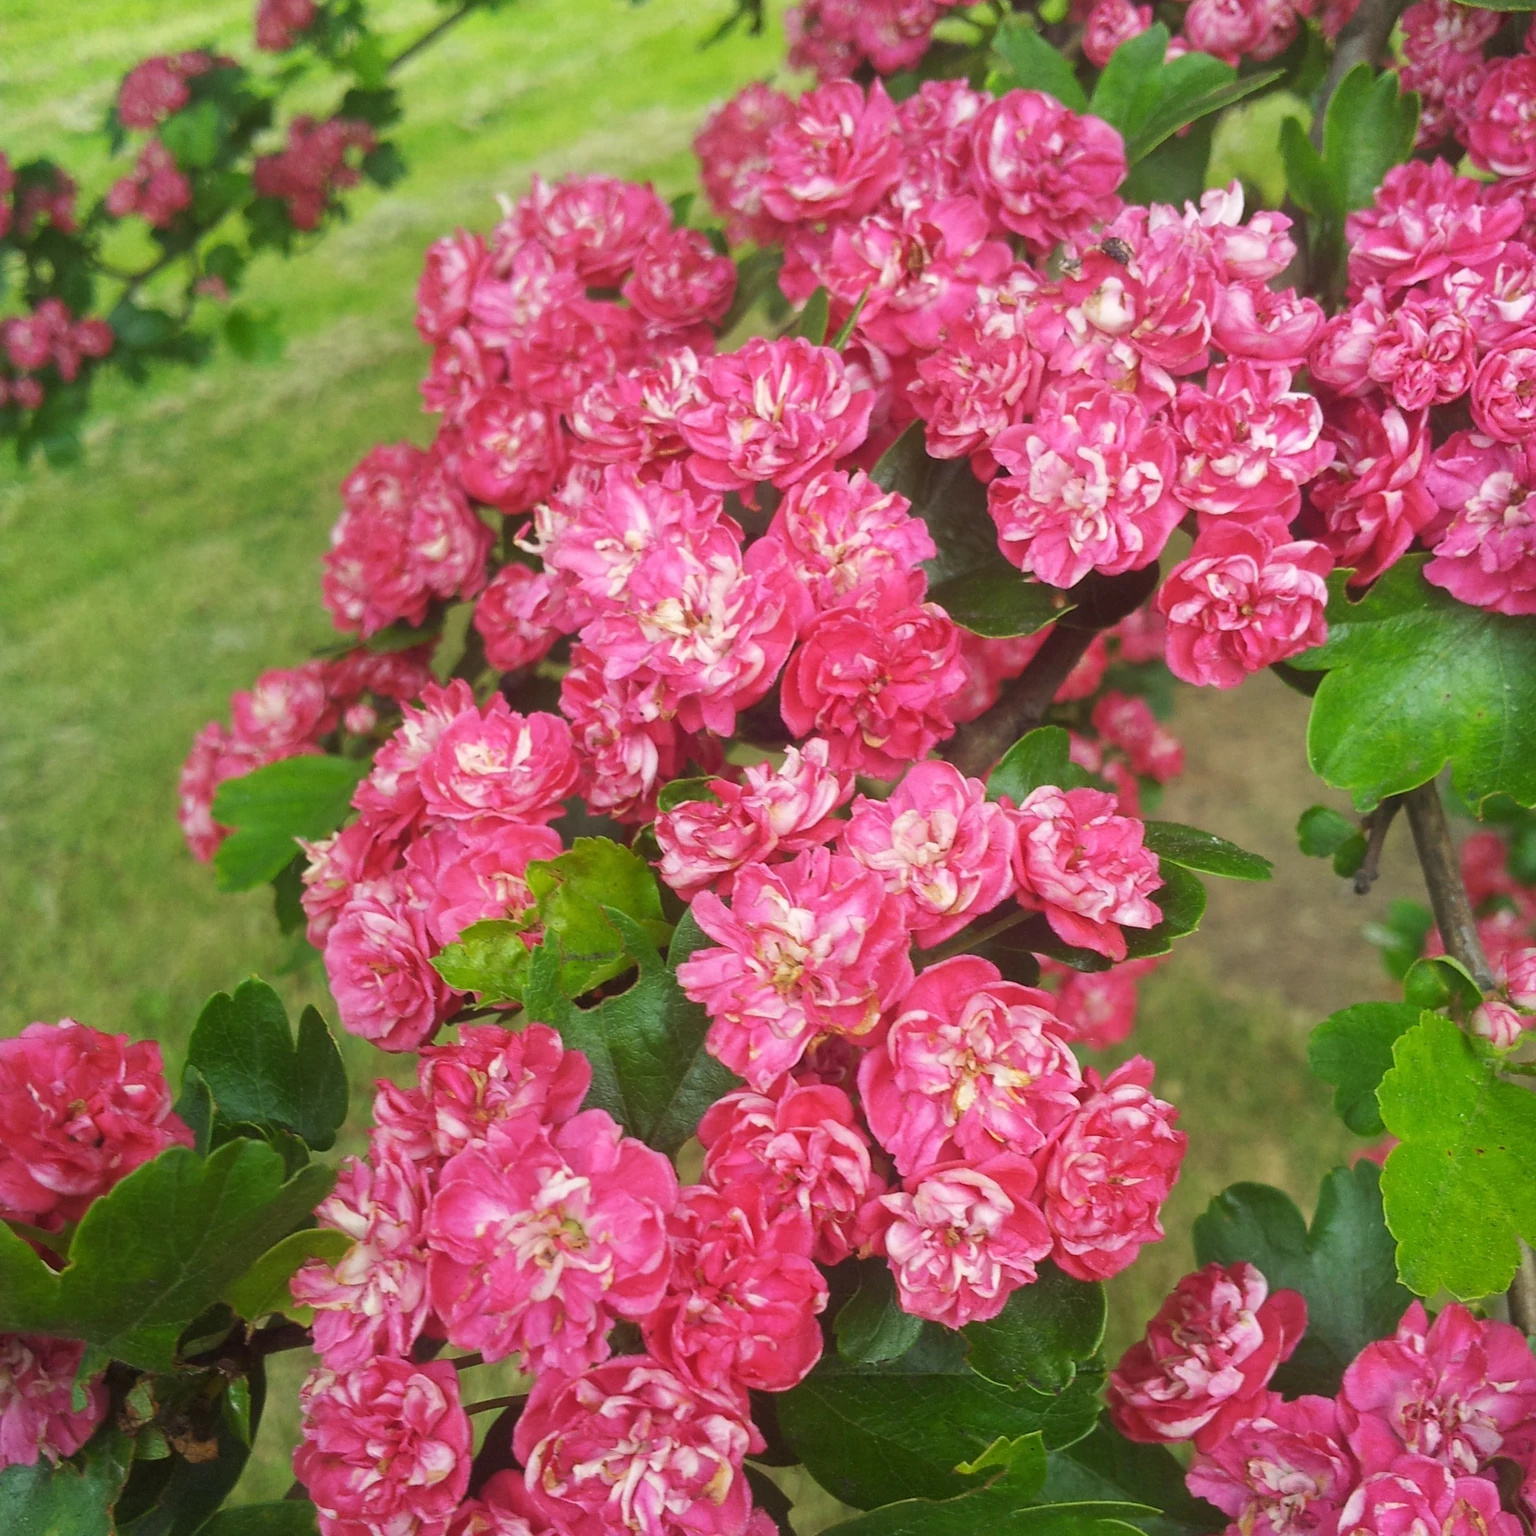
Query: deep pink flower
[
  {"x": 1486, "y": 555},
  {"x": 939, "y": 844},
  {"x": 541, "y": 1236},
  {"x": 504, "y": 1508},
  {"x": 631, "y": 417},
  {"x": 732, "y": 148},
  {"x": 1518, "y": 974},
  {"x": 285, "y": 711},
  {"x": 512, "y": 451},
  {"x": 935, "y": 124},
  {"x": 596, "y": 224},
  {"x": 872, "y": 678},
  {"x": 1248, "y": 596},
  {"x": 152, "y": 90},
  {"x": 679, "y": 281},
  {"x": 385, "y": 1448},
  {"x": 802, "y": 1148},
  {"x": 1110, "y": 23},
  {"x": 37, "y": 1413},
  {"x": 390, "y": 798},
  {"x": 280, "y": 23},
  {"x": 836, "y": 151},
  {"x": 215, "y": 756},
  {"x": 1096, "y": 1008},
  {"x": 313, "y": 166},
  {"x": 157, "y": 189},
  {"x": 465, "y": 872},
  {"x": 1502, "y": 390},
  {"x": 1090, "y": 487},
  {"x": 1084, "y": 866},
  {"x": 741, "y": 1305},
  {"x": 1109, "y": 1171},
  {"x": 1451, "y": 1390},
  {"x": 1204, "y": 1363},
  {"x": 1417, "y": 1495},
  {"x": 970, "y": 1066},
  {"x": 1127, "y": 723},
  {"x": 1252, "y": 321},
  {"x": 1045, "y": 172},
  {"x": 373, "y": 1300},
  {"x": 1282, "y": 1472},
  {"x": 778, "y": 409},
  {"x": 1499, "y": 1023},
  {"x": 630, "y": 1446},
  {"x": 520, "y": 616},
  {"x": 1226, "y": 29},
  {"x": 79, "y": 1110},
  {"x": 810, "y": 947},
  {"x": 1499, "y": 132},
  {"x": 495, "y": 762},
  {"x": 961, "y": 1238}
]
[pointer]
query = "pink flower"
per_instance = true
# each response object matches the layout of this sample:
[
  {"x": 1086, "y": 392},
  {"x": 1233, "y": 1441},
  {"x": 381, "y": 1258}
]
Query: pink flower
[
  {"x": 971, "y": 1066},
  {"x": 679, "y": 281},
  {"x": 215, "y": 756},
  {"x": 741, "y": 1305},
  {"x": 1503, "y": 386},
  {"x": 732, "y": 148},
  {"x": 1128, "y": 724},
  {"x": 1419, "y": 1495},
  {"x": 1204, "y": 1364},
  {"x": 280, "y": 23},
  {"x": 1226, "y": 29},
  {"x": 1366, "y": 507},
  {"x": 836, "y": 151},
  {"x": 153, "y": 90},
  {"x": 1247, "y": 597},
  {"x": 960, "y": 1239},
  {"x": 630, "y": 1446},
  {"x": 385, "y": 1448},
  {"x": 378, "y": 967},
  {"x": 373, "y": 1300},
  {"x": 541, "y": 1236},
  {"x": 1253, "y": 321},
  {"x": 313, "y": 166},
  {"x": 777, "y": 409},
  {"x": 777, "y": 812},
  {"x": 390, "y": 798},
  {"x": 809, "y": 947},
  {"x": 802, "y": 1149},
  {"x": 465, "y": 872},
  {"x": 1486, "y": 555},
  {"x": 1108, "y": 1172},
  {"x": 1282, "y": 1472},
  {"x": 939, "y": 844},
  {"x": 872, "y": 677},
  {"x": 1518, "y": 972},
  {"x": 1110, "y": 23},
  {"x": 1045, "y": 173},
  {"x": 156, "y": 189},
  {"x": 513, "y": 452},
  {"x": 1425, "y": 354},
  {"x": 841, "y": 534},
  {"x": 1090, "y": 487},
  {"x": 520, "y": 616},
  {"x": 504, "y": 1508},
  {"x": 1499, "y": 134},
  {"x": 37, "y": 1413},
  {"x": 1499, "y": 1023},
  {"x": 286, "y": 711},
  {"x": 935, "y": 125},
  {"x": 1246, "y": 442},
  {"x": 982, "y": 378},
  {"x": 1096, "y": 1008},
  {"x": 1084, "y": 866},
  {"x": 495, "y": 762},
  {"x": 79, "y": 1110},
  {"x": 597, "y": 224},
  {"x": 1452, "y": 1390},
  {"x": 631, "y": 417}
]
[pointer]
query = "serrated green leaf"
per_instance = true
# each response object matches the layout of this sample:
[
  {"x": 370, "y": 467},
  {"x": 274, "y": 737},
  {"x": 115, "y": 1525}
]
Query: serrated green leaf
[
  {"x": 1305, "y": 174},
  {"x": 296, "y": 797},
  {"x": 870, "y": 1326},
  {"x": 1352, "y": 1049},
  {"x": 489, "y": 958},
  {"x": 74, "y": 1498},
  {"x": 263, "y": 1288},
  {"x": 1125, "y": 87},
  {"x": 1042, "y": 1335},
  {"x": 259, "y": 1075},
  {"x": 1415, "y": 680},
  {"x": 1189, "y": 847},
  {"x": 1190, "y": 89},
  {"x": 1181, "y": 900},
  {"x": 1440, "y": 981},
  {"x": 1344, "y": 1266},
  {"x": 1027, "y": 62},
  {"x": 1458, "y": 1187}
]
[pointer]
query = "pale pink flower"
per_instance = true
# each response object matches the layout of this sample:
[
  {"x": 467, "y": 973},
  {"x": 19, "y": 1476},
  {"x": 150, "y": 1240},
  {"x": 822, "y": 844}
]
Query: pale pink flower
[
  {"x": 1108, "y": 1172},
  {"x": 1089, "y": 488},
  {"x": 960, "y": 1239},
  {"x": 778, "y": 410},
  {"x": 628, "y": 1445},
  {"x": 496, "y": 762},
  {"x": 541, "y": 1236},
  {"x": 872, "y": 678},
  {"x": 1499, "y": 1023},
  {"x": 1486, "y": 554},
  {"x": 38, "y": 1417},
  {"x": 79, "y": 1110},
  {"x": 386, "y": 1448},
  {"x": 835, "y": 152},
  {"x": 802, "y": 1148},
  {"x": 595, "y": 224},
  {"x": 939, "y": 844},
  {"x": 732, "y": 148},
  {"x": 970, "y": 1066},
  {"x": 1204, "y": 1363},
  {"x": 809, "y": 947},
  {"x": 1418, "y": 1495},
  {"x": 1518, "y": 976},
  {"x": 1045, "y": 172}
]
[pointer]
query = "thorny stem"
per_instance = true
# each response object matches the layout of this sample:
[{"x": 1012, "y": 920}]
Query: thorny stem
[
  {"x": 1362, "y": 41},
  {"x": 1377, "y": 825}
]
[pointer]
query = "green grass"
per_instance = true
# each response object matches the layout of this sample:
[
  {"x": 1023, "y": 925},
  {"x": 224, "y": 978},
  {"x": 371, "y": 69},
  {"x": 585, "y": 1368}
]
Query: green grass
[{"x": 180, "y": 559}]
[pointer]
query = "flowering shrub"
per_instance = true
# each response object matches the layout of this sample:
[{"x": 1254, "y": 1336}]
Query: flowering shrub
[{"x": 758, "y": 875}]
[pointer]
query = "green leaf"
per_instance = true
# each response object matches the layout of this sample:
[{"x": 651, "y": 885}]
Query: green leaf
[
  {"x": 682, "y": 791},
  {"x": 997, "y": 600},
  {"x": 1037, "y": 758},
  {"x": 1352, "y": 1049},
  {"x": 259, "y": 1075},
  {"x": 297, "y": 797},
  {"x": 263, "y": 1288},
  {"x": 1344, "y": 1266},
  {"x": 811, "y": 322},
  {"x": 1027, "y": 62},
  {"x": 1440, "y": 981},
  {"x": 1458, "y": 1187},
  {"x": 873, "y": 1433},
  {"x": 1322, "y": 833},
  {"x": 1105, "y": 1466},
  {"x": 158, "y": 1249},
  {"x": 291, "y": 1517},
  {"x": 1401, "y": 938},
  {"x": 490, "y": 958},
  {"x": 1191, "y": 87},
  {"x": 870, "y": 1325},
  {"x": 1305, "y": 174},
  {"x": 1370, "y": 126},
  {"x": 1190, "y": 848},
  {"x": 1125, "y": 88},
  {"x": 193, "y": 134},
  {"x": 1181, "y": 899},
  {"x": 845, "y": 330},
  {"x": 1416, "y": 680},
  {"x": 1044, "y": 1332},
  {"x": 254, "y": 336},
  {"x": 1502, "y": 5},
  {"x": 74, "y": 1498}
]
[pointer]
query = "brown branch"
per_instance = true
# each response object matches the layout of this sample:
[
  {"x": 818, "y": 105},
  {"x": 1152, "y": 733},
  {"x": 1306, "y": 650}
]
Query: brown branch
[
  {"x": 1377, "y": 825},
  {"x": 1521, "y": 1295},
  {"x": 1442, "y": 877},
  {"x": 1363, "y": 40},
  {"x": 431, "y": 35}
]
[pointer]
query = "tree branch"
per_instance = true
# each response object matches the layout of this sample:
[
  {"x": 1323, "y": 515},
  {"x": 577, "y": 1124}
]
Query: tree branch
[
  {"x": 434, "y": 32},
  {"x": 1442, "y": 877},
  {"x": 1362, "y": 41},
  {"x": 1377, "y": 825}
]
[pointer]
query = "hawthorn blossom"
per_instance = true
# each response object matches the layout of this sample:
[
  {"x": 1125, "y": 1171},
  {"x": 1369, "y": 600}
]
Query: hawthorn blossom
[
  {"x": 1255, "y": 323},
  {"x": 157, "y": 87},
  {"x": 970, "y": 1066},
  {"x": 215, "y": 756},
  {"x": 385, "y": 1447},
  {"x": 1095, "y": 1008},
  {"x": 520, "y": 616},
  {"x": 38, "y": 1417},
  {"x": 1418, "y": 1494},
  {"x": 511, "y": 451},
  {"x": 835, "y": 152},
  {"x": 466, "y": 872},
  {"x": 157, "y": 189},
  {"x": 1499, "y": 135},
  {"x": 593, "y": 224},
  {"x": 631, "y": 417},
  {"x": 495, "y": 762},
  {"x": 1110, "y": 23},
  {"x": 1486, "y": 554},
  {"x": 961, "y": 1238},
  {"x": 503, "y": 1508},
  {"x": 679, "y": 281},
  {"x": 313, "y": 166},
  {"x": 808, "y": 947},
  {"x": 1128, "y": 724},
  {"x": 732, "y": 150},
  {"x": 280, "y": 23}
]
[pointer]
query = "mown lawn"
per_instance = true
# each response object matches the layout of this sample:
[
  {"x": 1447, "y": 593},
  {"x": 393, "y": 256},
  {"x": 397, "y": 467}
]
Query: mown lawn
[{"x": 139, "y": 589}]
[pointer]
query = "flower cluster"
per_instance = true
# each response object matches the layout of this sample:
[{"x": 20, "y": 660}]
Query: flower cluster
[{"x": 1409, "y": 1443}]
